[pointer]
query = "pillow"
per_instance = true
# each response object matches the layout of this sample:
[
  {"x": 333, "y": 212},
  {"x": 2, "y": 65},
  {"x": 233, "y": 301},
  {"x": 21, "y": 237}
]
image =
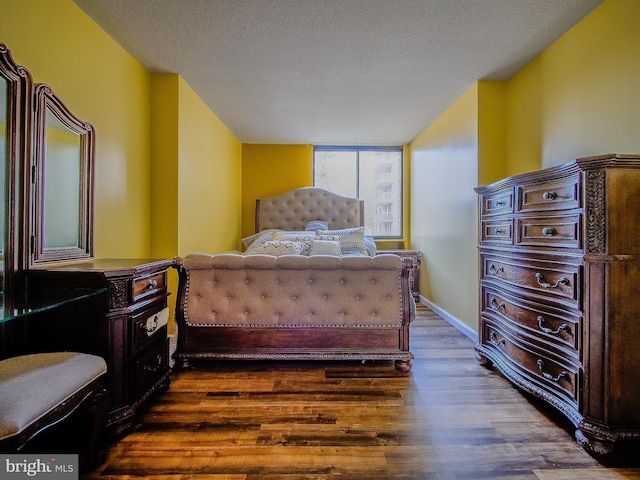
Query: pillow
[
  {"x": 370, "y": 245},
  {"x": 254, "y": 241},
  {"x": 295, "y": 236},
  {"x": 282, "y": 247},
  {"x": 351, "y": 239},
  {"x": 314, "y": 225},
  {"x": 325, "y": 247},
  {"x": 289, "y": 234}
]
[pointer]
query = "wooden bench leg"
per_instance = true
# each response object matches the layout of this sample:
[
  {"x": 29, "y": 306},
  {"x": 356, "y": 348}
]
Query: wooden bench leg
[{"x": 96, "y": 408}]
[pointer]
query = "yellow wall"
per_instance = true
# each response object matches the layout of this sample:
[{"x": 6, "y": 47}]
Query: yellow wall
[
  {"x": 492, "y": 153},
  {"x": 165, "y": 107},
  {"x": 186, "y": 196},
  {"x": 209, "y": 178},
  {"x": 273, "y": 169},
  {"x": 269, "y": 170},
  {"x": 195, "y": 176},
  {"x": 580, "y": 97},
  {"x": 102, "y": 84},
  {"x": 168, "y": 172},
  {"x": 444, "y": 171}
]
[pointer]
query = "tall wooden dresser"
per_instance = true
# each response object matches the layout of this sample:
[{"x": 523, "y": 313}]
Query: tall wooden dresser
[
  {"x": 560, "y": 291},
  {"x": 127, "y": 326}
]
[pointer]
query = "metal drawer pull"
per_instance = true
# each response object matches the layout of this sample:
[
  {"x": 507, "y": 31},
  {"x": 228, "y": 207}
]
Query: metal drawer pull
[
  {"x": 499, "y": 231},
  {"x": 152, "y": 284},
  {"x": 548, "y": 376},
  {"x": 549, "y": 195},
  {"x": 151, "y": 325},
  {"x": 549, "y": 231},
  {"x": 493, "y": 339},
  {"x": 494, "y": 305},
  {"x": 493, "y": 270},
  {"x": 561, "y": 281},
  {"x": 500, "y": 203},
  {"x": 562, "y": 328}
]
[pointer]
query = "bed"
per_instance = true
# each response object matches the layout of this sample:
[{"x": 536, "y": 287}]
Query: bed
[{"x": 305, "y": 288}]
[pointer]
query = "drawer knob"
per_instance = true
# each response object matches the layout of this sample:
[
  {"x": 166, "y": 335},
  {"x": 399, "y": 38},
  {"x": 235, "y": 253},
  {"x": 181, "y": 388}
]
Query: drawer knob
[
  {"x": 543, "y": 284},
  {"x": 549, "y": 376},
  {"x": 493, "y": 270},
  {"x": 494, "y": 305},
  {"x": 493, "y": 339},
  {"x": 549, "y": 195},
  {"x": 562, "y": 328},
  {"x": 549, "y": 231},
  {"x": 152, "y": 284}
]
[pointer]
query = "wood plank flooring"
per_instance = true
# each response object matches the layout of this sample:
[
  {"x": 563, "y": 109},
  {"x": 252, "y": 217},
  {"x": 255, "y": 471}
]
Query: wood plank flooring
[{"x": 449, "y": 418}]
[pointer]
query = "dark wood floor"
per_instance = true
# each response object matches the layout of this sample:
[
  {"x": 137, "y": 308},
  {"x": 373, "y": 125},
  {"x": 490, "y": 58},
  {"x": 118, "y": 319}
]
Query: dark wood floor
[{"x": 448, "y": 419}]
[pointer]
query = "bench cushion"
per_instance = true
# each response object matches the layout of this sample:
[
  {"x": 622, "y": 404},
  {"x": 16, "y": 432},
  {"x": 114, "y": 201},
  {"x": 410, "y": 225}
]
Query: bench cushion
[{"x": 32, "y": 385}]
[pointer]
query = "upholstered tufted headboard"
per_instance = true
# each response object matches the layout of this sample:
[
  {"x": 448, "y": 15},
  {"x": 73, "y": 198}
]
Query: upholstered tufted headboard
[{"x": 294, "y": 209}]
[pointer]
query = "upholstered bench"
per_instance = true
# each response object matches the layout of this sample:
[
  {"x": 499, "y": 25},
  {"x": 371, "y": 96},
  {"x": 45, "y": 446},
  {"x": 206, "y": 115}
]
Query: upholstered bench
[{"x": 40, "y": 390}]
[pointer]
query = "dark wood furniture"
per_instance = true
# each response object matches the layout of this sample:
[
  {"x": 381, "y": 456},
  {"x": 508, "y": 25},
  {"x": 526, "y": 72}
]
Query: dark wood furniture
[
  {"x": 296, "y": 307},
  {"x": 126, "y": 326},
  {"x": 49, "y": 149},
  {"x": 412, "y": 260},
  {"x": 559, "y": 262},
  {"x": 31, "y": 407},
  {"x": 75, "y": 423}
]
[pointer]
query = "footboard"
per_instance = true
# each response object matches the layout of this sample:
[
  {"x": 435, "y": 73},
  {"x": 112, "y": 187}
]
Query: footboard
[{"x": 293, "y": 307}]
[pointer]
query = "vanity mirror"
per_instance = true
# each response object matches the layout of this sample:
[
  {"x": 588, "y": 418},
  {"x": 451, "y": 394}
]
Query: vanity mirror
[
  {"x": 16, "y": 87},
  {"x": 62, "y": 180},
  {"x": 46, "y": 176}
]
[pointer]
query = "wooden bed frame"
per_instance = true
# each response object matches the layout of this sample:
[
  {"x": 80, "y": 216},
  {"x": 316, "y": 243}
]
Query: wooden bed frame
[{"x": 383, "y": 336}]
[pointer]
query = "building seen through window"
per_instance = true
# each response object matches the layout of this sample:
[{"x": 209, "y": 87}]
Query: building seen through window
[{"x": 373, "y": 174}]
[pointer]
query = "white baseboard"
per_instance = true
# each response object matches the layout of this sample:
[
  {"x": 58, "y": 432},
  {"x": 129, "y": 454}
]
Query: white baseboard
[
  {"x": 173, "y": 343},
  {"x": 459, "y": 325}
]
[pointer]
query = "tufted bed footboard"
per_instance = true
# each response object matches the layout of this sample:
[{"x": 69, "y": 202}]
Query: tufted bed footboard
[{"x": 232, "y": 306}]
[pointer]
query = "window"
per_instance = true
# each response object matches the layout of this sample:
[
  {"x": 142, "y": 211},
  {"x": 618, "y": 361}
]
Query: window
[{"x": 373, "y": 174}]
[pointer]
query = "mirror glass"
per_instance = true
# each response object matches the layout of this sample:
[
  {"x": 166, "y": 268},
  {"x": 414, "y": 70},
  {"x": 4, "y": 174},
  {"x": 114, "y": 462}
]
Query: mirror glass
[{"x": 62, "y": 169}]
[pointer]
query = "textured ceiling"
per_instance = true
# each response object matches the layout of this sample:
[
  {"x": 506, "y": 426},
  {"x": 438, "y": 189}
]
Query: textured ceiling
[{"x": 360, "y": 72}]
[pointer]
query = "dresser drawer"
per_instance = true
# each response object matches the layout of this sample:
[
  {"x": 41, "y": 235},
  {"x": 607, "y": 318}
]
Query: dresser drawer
[
  {"x": 148, "y": 326},
  {"x": 497, "y": 203},
  {"x": 150, "y": 367},
  {"x": 553, "y": 280},
  {"x": 557, "y": 195},
  {"x": 148, "y": 285},
  {"x": 558, "y": 232},
  {"x": 542, "y": 369},
  {"x": 497, "y": 231},
  {"x": 549, "y": 326}
]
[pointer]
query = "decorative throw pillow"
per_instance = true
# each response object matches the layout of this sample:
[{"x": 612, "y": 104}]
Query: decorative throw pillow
[
  {"x": 351, "y": 239},
  {"x": 325, "y": 247},
  {"x": 370, "y": 245},
  {"x": 256, "y": 240},
  {"x": 314, "y": 225},
  {"x": 296, "y": 236},
  {"x": 282, "y": 247}
]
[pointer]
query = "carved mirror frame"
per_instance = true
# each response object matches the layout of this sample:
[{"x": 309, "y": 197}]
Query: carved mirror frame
[
  {"x": 17, "y": 153},
  {"x": 49, "y": 106}
]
